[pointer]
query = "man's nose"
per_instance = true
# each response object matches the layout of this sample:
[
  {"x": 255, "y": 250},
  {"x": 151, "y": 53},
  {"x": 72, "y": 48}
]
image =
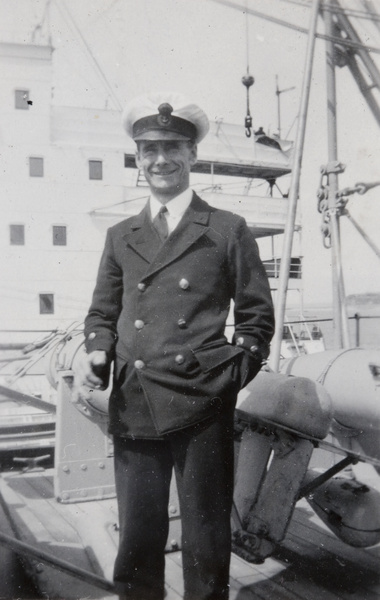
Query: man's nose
[{"x": 161, "y": 157}]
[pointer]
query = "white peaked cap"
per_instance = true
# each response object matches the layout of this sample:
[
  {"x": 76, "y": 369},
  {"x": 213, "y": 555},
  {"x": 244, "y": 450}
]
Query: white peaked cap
[{"x": 164, "y": 115}]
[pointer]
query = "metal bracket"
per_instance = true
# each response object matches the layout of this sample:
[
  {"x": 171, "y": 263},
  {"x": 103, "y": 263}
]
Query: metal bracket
[
  {"x": 333, "y": 167},
  {"x": 312, "y": 485},
  {"x": 31, "y": 463}
]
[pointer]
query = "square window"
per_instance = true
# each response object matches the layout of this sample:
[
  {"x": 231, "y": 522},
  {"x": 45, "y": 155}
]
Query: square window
[
  {"x": 17, "y": 235},
  {"x": 95, "y": 169},
  {"x": 59, "y": 235},
  {"x": 22, "y": 99},
  {"x": 36, "y": 166},
  {"x": 46, "y": 304}
]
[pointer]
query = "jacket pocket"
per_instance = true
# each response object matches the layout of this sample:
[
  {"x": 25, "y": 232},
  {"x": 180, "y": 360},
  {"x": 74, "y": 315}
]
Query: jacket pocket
[
  {"x": 215, "y": 355},
  {"x": 249, "y": 368},
  {"x": 120, "y": 366}
]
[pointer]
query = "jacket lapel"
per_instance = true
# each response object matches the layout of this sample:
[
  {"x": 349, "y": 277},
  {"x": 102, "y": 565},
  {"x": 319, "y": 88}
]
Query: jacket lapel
[
  {"x": 142, "y": 237},
  {"x": 144, "y": 240},
  {"x": 193, "y": 225}
]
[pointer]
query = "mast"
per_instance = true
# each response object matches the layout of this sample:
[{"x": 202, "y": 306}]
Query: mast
[
  {"x": 278, "y": 94},
  {"x": 348, "y": 56},
  {"x": 294, "y": 191},
  {"x": 340, "y": 321}
]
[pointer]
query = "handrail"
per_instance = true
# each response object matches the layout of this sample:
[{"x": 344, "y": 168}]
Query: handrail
[{"x": 62, "y": 565}]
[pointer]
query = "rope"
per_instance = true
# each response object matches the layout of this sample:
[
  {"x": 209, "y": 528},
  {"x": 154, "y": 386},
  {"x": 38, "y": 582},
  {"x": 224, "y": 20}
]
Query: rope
[{"x": 321, "y": 378}]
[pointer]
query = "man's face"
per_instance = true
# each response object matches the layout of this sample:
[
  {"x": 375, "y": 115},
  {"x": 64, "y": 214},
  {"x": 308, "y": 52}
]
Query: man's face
[{"x": 166, "y": 165}]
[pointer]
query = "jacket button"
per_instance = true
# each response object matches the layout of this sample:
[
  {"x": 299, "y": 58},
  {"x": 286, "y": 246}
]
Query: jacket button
[
  {"x": 184, "y": 284},
  {"x": 182, "y": 323},
  {"x": 139, "y": 364},
  {"x": 254, "y": 349},
  {"x": 240, "y": 341},
  {"x": 141, "y": 286},
  {"x": 139, "y": 324},
  {"x": 92, "y": 336},
  {"x": 179, "y": 359}
]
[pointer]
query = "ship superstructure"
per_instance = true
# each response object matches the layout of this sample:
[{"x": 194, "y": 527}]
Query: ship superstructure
[
  {"x": 68, "y": 174},
  {"x": 75, "y": 169}
]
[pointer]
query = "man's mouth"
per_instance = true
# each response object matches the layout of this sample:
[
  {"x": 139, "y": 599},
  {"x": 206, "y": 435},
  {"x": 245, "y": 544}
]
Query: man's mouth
[{"x": 163, "y": 173}]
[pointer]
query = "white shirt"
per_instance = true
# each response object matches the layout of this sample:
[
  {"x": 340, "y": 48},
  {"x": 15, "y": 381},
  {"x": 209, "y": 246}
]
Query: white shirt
[{"x": 176, "y": 208}]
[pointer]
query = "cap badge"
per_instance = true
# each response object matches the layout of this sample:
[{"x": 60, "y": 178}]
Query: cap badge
[{"x": 165, "y": 111}]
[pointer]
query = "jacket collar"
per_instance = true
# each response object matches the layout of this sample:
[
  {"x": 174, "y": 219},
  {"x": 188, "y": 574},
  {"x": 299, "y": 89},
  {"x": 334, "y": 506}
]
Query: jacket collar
[{"x": 192, "y": 226}]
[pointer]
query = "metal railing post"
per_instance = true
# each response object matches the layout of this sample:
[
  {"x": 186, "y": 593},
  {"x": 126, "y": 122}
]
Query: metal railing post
[
  {"x": 357, "y": 329},
  {"x": 294, "y": 192}
]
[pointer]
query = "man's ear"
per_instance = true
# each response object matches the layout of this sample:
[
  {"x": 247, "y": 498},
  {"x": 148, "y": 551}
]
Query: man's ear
[
  {"x": 137, "y": 158},
  {"x": 193, "y": 154}
]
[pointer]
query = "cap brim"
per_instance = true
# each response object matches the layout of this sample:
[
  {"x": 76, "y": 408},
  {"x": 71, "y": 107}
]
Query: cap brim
[{"x": 155, "y": 135}]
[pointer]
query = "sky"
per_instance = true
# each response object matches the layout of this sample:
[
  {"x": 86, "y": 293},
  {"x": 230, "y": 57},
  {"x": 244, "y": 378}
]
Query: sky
[{"x": 108, "y": 51}]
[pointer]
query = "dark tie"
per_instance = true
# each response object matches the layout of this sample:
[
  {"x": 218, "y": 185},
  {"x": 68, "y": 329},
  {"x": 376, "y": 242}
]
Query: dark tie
[{"x": 160, "y": 223}]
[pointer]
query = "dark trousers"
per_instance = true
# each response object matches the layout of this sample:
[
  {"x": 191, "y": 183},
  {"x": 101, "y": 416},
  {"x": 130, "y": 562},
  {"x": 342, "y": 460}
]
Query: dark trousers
[{"x": 202, "y": 457}]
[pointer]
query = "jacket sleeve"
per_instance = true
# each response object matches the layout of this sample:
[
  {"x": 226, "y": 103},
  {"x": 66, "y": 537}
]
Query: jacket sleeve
[
  {"x": 253, "y": 306},
  {"x": 100, "y": 326}
]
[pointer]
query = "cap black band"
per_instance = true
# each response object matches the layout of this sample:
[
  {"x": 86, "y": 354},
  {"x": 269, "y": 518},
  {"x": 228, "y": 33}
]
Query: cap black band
[{"x": 158, "y": 123}]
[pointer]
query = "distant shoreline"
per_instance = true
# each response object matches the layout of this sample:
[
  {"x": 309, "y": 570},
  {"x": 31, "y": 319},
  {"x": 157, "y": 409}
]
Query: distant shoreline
[
  {"x": 366, "y": 328},
  {"x": 352, "y": 308}
]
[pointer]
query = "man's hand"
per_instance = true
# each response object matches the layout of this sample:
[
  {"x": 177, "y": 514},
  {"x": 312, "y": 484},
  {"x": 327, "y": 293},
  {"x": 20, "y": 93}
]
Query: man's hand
[{"x": 92, "y": 371}]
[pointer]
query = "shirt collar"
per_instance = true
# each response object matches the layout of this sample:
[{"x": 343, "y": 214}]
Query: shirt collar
[{"x": 176, "y": 207}]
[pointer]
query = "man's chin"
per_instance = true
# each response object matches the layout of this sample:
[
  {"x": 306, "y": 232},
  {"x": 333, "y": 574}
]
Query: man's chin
[
  {"x": 164, "y": 182},
  {"x": 164, "y": 188}
]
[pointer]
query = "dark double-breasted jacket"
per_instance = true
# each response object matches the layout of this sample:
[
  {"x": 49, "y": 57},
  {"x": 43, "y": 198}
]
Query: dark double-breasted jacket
[{"x": 160, "y": 313}]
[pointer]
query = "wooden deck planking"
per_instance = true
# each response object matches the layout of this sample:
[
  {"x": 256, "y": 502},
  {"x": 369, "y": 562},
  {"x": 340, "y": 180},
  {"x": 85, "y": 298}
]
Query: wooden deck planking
[
  {"x": 310, "y": 564},
  {"x": 305, "y": 517},
  {"x": 39, "y": 521},
  {"x": 173, "y": 576},
  {"x": 41, "y": 524},
  {"x": 356, "y": 569}
]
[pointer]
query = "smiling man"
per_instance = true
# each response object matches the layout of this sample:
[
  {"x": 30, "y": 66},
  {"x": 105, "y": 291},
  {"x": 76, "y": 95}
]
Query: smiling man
[
  {"x": 164, "y": 288},
  {"x": 166, "y": 165}
]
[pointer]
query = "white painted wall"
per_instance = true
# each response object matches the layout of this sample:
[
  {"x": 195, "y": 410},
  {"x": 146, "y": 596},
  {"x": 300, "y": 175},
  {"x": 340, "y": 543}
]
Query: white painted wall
[{"x": 67, "y": 138}]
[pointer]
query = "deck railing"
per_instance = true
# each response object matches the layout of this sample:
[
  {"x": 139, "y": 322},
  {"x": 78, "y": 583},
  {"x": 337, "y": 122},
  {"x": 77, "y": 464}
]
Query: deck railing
[
  {"x": 272, "y": 268},
  {"x": 356, "y": 319}
]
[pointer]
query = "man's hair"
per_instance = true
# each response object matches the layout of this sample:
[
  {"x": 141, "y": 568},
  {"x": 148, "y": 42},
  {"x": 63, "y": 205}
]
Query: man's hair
[{"x": 190, "y": 142}]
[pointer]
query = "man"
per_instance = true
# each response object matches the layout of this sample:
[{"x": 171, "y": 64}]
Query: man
[{"x": 162, "y": 297}]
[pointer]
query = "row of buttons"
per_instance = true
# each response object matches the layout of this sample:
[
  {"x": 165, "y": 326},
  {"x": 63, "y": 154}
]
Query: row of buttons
[
  {"x": 240, "y": 342},
  {"x": 139, "y": 364},
  {"x": 183, "y": 284},
  {"x": 139, "y": 324}
]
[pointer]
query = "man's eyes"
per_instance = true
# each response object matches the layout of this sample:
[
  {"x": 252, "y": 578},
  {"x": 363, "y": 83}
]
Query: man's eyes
[
  {"x": 172, "y": 147},
  {"x": 147, "y": 151}
]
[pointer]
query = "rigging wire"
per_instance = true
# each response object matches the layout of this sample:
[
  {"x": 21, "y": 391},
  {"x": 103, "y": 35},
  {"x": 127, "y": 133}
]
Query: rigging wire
[
  {"x": 291, "y": 127},
  {"x": 102, "y": 13},
  {"x": 368, "y": 5},
  {"x": 370, "y": 28},
  {"x": 247, "y": 36},
  {"x": 247, "y": 80},
  {"x": 44, "y": 19},
  {"x": 68, "y": 17},
  {"x": 368, "y": 15},
  {"x": 103, "y": 208},
  {"x": 223, "y": 137},
  {"x": 321, "y": 36},
  {"x": 353, "y": 12}
]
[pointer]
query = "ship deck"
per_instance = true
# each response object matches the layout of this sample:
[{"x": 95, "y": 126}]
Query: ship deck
[{"x": 310, "y": 563}]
